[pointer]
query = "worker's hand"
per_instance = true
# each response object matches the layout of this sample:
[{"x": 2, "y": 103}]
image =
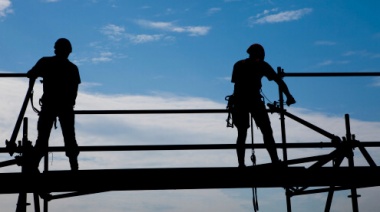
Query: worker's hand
[
  {"x": 290, "y": 100},
  {"x": 30, "y": 75}
]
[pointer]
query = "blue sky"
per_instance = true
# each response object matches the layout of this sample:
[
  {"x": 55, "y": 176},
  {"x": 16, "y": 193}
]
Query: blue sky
[{"x": 179, "y": 55}]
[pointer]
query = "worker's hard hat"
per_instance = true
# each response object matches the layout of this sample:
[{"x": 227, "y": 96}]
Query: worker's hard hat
[
  {"x": 63, "y": 45},
  {"x": 256, "y": 51}
]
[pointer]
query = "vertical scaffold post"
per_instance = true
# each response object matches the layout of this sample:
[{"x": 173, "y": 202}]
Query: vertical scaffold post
[
  {"x": 280, "y": 73},
  {"x": 22, "y": 196},
  {"x": 354, "y": 194},
  {"x": 46, "y": 169}
]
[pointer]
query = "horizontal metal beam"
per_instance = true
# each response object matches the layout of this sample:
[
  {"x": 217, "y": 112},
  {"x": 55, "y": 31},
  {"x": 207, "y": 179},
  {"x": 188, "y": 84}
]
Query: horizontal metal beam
[
  {"x": 294, "y": 74},
  {"x": 331, "y": 74},
  {"x": 263, "y": 176},
  {"x": 163, "y": 111},
  {"x": 203, "y": 147},
  {"x": 12, "y": 74}
]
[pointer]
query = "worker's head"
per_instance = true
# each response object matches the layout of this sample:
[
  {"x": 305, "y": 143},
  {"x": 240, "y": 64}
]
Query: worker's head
[
  {"x": 62, "y": 47},
  {"x": 256, "y": 51}
]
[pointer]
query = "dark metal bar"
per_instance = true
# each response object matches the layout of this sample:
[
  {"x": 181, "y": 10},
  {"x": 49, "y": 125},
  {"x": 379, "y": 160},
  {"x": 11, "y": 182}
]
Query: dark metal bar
[
  {"x": 189, "y": 178},
  {"x": 280, "y": 72},
  {"x": 313, "y": 127},
  {"x": 12, "y": 74},
  {"x": 365, "y": 153},
  {"x": 190, "y": 147},
  {"x": 354, "y": 194},
  {"x": 332, "y": 74},
  {"x": 282, "y": 117},
  {"x": 74, "y": 194},
  {"x": 22, "y": 196},
  {"x": 294, "y": 74},
  {"x": 36, "y": 199},
  {"x": 330, "y": 195},
  {"x": 306, "y": 159},
  {"x": 8, "y": 163},
  {"x": 320, "y": 190},
  {"x": 163, "y": 111}
]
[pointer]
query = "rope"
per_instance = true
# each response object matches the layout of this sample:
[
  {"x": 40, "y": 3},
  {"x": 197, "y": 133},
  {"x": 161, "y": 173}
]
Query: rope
[{"x": 253, "y": 159}]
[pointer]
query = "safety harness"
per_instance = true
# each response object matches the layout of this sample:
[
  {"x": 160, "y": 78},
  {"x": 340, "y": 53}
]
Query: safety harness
[{"x": 37, "y": 111}]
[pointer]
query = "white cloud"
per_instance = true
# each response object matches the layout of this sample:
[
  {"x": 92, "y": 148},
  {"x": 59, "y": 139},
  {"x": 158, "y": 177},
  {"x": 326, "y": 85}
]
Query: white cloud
[
  {"x": 144, "y": 38},
  {"x": 266, "y": 12},
  {"x": 169, "y": 26},
  {"x": 5, "y": 7},
  {"x": 103, "y": 57},
  {"x": 285, "y": 16},
  {"x": 113, "y": 31},
  {"x": 118, "y": 33}
]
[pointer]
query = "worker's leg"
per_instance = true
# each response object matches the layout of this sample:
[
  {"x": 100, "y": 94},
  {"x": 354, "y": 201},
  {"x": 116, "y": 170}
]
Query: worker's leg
[
  {"x": 67, "y": 121},
  {"x": 263, "y": 122},
  {"x": 44, "y": 125},
  {"x": 241, "y": 121}
]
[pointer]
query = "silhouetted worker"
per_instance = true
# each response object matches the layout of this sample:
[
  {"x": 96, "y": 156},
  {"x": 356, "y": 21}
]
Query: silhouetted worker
[
  {"x": 60, "y": 87},
  {"x": 246, "y": 76}
]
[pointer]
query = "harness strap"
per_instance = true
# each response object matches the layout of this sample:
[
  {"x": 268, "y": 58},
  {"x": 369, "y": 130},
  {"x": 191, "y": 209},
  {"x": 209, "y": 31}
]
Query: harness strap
[
  {"x": 37, "y": 111},
  {"x": 31, "y": 101},
  {"x": 230, "y": 105}
]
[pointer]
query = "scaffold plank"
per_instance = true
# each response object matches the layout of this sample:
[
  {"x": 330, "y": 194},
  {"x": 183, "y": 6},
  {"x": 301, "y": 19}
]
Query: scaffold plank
[{"x": 188, "y": 178}]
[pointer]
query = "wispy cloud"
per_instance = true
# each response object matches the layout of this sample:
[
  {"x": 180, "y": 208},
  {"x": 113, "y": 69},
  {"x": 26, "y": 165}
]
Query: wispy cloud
[
  {"x": 267, "y": 16},
  {"x": 50, "y": 1},
  {"x": 118, "y": 33},
  {"x": 5, "y": 7},
  {"x": 376, "y": 82},
  {"x": 376, "y": 35},
  {"x": 324, "y": 43},
  {"x": 144, "y": 38},
  {"x": 362, "y": 53},
  {"x": 113, "y": 31},
  {"x": 213, "y": 10},
  {"x": 325, "y": 63},
  {"x": 103, "y": 57},
  {"x": 332, "y": 62},
  {"x": 171, "y": 27}
]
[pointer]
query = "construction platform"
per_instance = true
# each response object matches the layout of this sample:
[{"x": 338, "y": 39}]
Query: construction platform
[{"x": 189, "y": 178}]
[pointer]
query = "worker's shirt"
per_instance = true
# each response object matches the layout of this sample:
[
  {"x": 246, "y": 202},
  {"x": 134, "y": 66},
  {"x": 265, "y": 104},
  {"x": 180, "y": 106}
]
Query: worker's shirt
[
  {"x": 60, "y": 80},
  {"x": 246, "y": 76}
]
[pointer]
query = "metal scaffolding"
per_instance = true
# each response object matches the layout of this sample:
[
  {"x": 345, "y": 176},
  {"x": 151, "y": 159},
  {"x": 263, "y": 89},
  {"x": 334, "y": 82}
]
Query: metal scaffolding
[{"x": 295, "y": 179}]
